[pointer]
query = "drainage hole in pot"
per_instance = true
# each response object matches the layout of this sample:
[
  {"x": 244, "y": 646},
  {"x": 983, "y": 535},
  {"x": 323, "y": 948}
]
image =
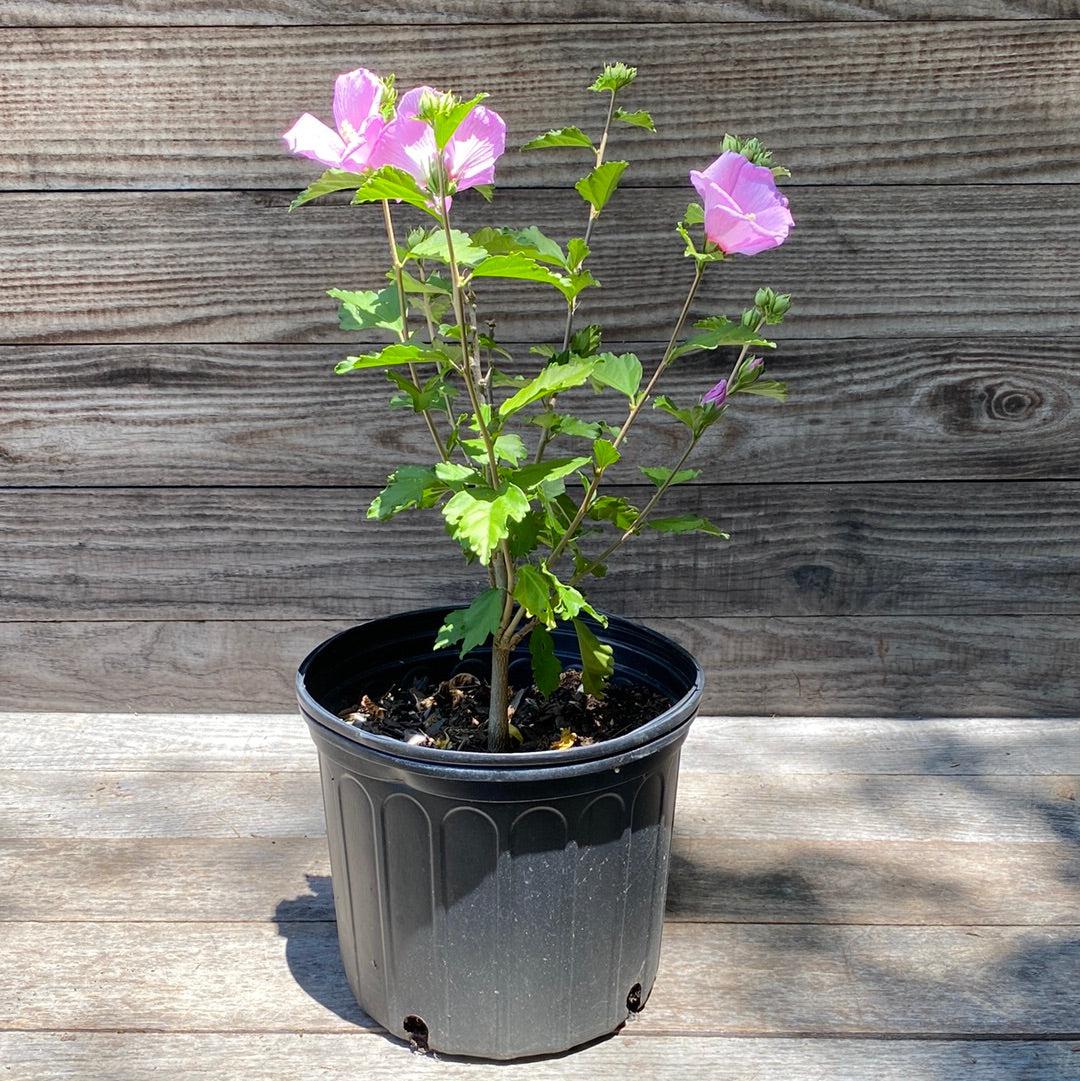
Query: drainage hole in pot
[
  {"x": 417, "y": 1029},
  {"x": 633, "y": 1000}
]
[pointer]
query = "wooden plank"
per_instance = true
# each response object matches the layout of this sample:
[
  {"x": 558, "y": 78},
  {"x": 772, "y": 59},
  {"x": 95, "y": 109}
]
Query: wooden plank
[
  {"x": 790, "y": 807},
  {"x": 383, "y": 12},
  {"x": 731, "y": 979},
  {"x": 99, "y": 1056},
  {"x": 880, "y": 549},
  {"x": 842, "y": 666},
  {"x": 279, "y": 742},
  {"x": 856, "y": 102},
  {"x": 241, "y": 415},
  {"x": 713, "y": 879},
  {"x": 234, "y": 266}
]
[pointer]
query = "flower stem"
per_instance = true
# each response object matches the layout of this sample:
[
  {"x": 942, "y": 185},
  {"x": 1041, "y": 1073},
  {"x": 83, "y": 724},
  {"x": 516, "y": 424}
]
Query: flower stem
[
  {"x": 594, "y": 484},
  {"x": 403, "y": 326}
]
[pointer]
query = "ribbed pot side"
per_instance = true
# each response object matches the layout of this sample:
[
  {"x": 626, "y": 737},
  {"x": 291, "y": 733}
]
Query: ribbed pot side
[{"x": 496, "y": 906}]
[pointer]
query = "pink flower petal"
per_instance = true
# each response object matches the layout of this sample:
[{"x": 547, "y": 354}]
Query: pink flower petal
[
  {"x": 311, "y": 138},
  {"x": 357, "y": 95},
  {"x": 475, "y": 147}
]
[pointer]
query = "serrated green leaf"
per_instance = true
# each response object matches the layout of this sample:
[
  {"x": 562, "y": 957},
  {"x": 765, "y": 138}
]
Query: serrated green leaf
[
  {"x": 614, "y": 77},
  {"x": 695, "y": 214},
  {"x": 509, "y": 448},
  {"x": 391, "y": 183},
  {"x": 546, "y": 668},
  {"x": 597, "y": 660},
  {"x": 570, "y": 136},
  {"x": 398, "y": 353},
  {"x": 432, "y": 285},
  {"x": 621, "y": 373},
  {"x": 524, "y": 534},
  {"x": 478, "y": 517},
  {"x": 577, "y": 251},
  {"x": 405, "y": 489},
  {"x": 445, "y": 114},
  {"x": 615, "y": 509},
  {"x": 532, "y": 590},
  {"x": 598, "y": 187},
  {"x": 553, "y": 379},
  {"x": 570, "y": 603},
  {"x": 519, "y": 267},
  {"x": 687, "y": 523},
  {"x": 530, "y": 242},
  {"x": 767, "y": 388},
  {"x": 541, "y": 472},
  {"x": 434, "y": 246},
  {"x": 433, "y": 394},
  {"x": 639, "y": 118},
  {"x": 660, "y": 475},
  {"x": 605, "y": 454},
  {"x": 472, "y": 626},
  {"x": 718, "y": 331},
  {"x": 366, "y": 309},
  {"x": 455, "y": 473},
  {"x": 697, "y": 417},
  {"x": 330, "y": 181},
  {"x": 585, "y": 341}
]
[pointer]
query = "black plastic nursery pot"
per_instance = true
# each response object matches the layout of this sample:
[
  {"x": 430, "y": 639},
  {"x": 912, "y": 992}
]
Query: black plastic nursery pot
[{"x": 496, "y": 905}]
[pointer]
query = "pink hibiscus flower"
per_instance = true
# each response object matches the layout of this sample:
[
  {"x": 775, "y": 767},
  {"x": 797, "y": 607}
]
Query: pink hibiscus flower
[
  {"x": 469, "y": 157},
  {"x": 358, "y": 97},
  {"x": 744, "y": 211}
]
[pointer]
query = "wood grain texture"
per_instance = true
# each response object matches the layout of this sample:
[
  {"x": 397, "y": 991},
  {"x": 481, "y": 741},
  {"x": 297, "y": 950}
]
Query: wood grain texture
[
  {"x": 99, "y": 1056},
  {"x": 279, "y": 742},
  {"x": 792, "y": 807},
  {"x": 234, "y": 266},
  {"x": 722, "y": 979},
  {"x": 908, "y": 409},
  {"x": 885, "y": 665},
  {"x": 507, "y": 12},
  {"x": 870, "y": 549},
  {"x": 713, "y": 879},
  {"x": 857, "y": 103}
]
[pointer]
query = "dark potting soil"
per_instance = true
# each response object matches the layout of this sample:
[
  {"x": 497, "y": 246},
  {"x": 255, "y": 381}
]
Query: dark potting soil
[{"x": 453, "y": 714}]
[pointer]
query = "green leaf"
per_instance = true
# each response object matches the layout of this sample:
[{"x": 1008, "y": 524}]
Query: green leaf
[
  {"x": 405, "y": 489},
  {"x": 444, "y": 114},
  {"x": 570, "y": 603},
  {"x": 366, "y": 309},
  {"x": 433, "y": 394},
  {"x": 478, "y": 517},
  {"x": 695, "y": 214},
  {"x": 660, "y": 475},
  {"x": 640, "y": 119},
  {"x": 577, "y": 251},
  {"x": 546, "y": 668},
  {"x": 453, "y": 473},
  {"x": 432, "y": 285},
  {"x": 605, "y": 454},
  {"x": 332, "y": 180},
  {"x": 767, "y": 388},
  {"x": 530, "y": 242},
  {"x": 398, "y": 353},
  {"x": 622, "y": 372},
  {"x": 597, "y": 188},
  {"x": 541, "y": 472},
  {"x": 614, "y": 77},
  {"x": 391, "y": 183},
  {"x": 564, "y": 424},
  {"x": 434, "y": 246},
  {"x": 717, "y": 331},
  {"x": 553, "y": 379},
  {"x": 520, "y": 267},
  {"x": 585, "y": 341},
  {"x": 687, "y": 523},
  {"x": 560, "y": 137},
  {"x": 597, "y": 660},
  {"x": 697, "y": 418},
  {"x": 532, "y": 590},
  {"x": 508, "y": 448},
  {"x": 615, "y": 509},
  {"x": 473, "y": 625}
]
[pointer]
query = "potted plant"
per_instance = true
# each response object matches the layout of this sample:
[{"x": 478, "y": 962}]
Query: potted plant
[{"x": 500, "y": 778}]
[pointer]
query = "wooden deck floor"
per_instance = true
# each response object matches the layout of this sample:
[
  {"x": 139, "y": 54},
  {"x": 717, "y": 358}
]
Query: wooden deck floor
[{"x": 895, "y": 900}]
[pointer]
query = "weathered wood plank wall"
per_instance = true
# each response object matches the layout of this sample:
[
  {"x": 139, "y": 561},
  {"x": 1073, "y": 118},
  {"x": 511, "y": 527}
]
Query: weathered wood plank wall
[{"x": 181, "y": 475}]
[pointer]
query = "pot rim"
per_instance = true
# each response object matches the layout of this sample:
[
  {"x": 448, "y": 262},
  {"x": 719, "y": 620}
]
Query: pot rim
[{"x": 678, "y": 714}]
